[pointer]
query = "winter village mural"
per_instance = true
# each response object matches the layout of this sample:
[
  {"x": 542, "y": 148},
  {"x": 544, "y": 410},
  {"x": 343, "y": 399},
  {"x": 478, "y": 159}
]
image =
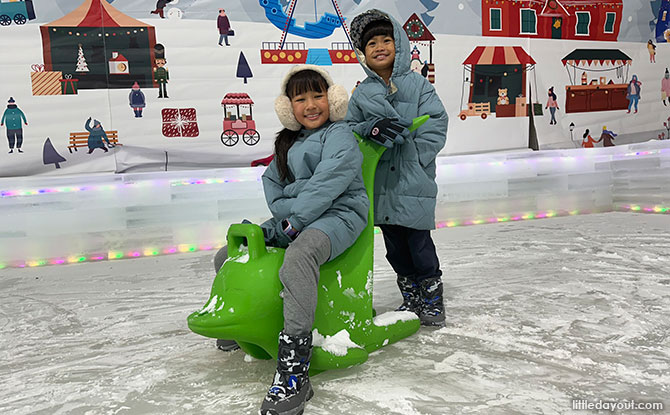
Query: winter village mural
[{"x": 136, "y": 85}]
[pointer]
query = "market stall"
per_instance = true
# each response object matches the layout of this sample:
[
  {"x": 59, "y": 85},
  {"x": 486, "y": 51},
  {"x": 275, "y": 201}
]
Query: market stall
[
  {"x": 598, "y": 80},
  {"x": 498, "y": 80}
]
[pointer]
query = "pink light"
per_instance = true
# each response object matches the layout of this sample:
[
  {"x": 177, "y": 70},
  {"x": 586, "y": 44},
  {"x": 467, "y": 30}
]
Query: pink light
[
  {"x": 135, "y": 254},
  {"x": 97, "y": 258},
  {"x": 58, "y": 261},
  {"x": 170, "y": 250}
]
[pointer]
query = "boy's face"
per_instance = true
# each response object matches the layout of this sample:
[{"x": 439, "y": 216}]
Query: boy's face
[
  {"x": 311, "y": 109},
  {"x": 380, "y": 53}
]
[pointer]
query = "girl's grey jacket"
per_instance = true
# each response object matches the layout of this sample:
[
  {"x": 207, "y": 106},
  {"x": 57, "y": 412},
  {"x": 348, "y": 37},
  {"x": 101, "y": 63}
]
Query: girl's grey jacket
[
  {"x": 405, "y": 188},
  {"x": 326, "y": 190}
]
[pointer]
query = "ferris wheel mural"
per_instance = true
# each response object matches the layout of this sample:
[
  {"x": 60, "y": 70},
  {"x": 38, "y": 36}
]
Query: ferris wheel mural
[{"x": 295, "y": 52}]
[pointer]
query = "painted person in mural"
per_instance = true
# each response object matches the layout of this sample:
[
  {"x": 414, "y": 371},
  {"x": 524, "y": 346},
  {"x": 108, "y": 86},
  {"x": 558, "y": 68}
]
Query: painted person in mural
[
  {"x": 607, "y": 137},
  {"x": 137, "y": 100},
  {"x": 223, "y": 24},
  {"x": 405, "y": 188},
  {"x": 162, "y": 77},
  {"x": 13, "y": 116},
  {"x": 552, "y": 104},
  {"x": 652, "y": 51},
  {"x": 160, "y": 5},
  {"x": 588, "y": 141},
  {"x": 95, "y": 136},
  {"x": 315, "y": 191},
  {"x": 665, "y": 87},
  {"x": 633, "y": 93}
]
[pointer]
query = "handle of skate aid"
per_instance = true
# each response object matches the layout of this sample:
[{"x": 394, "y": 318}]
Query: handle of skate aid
[
  {"x": 238, "y": 232},
  {"x": 418, "y": 122}
]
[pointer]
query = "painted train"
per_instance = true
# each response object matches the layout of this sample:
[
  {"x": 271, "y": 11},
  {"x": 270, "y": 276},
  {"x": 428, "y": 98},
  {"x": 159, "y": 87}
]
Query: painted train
[{"x": 20, "y": 11}]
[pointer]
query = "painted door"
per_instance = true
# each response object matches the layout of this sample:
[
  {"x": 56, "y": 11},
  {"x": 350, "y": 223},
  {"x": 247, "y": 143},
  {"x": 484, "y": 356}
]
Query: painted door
[{"x": 557, "y": 28}]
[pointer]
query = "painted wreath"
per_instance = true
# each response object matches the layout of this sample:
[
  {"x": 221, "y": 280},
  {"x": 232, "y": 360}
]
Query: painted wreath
[{"x": 415, "y": 29}]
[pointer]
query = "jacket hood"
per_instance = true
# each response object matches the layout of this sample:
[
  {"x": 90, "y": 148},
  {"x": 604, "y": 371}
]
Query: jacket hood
[{"x": 401, "y": 65}]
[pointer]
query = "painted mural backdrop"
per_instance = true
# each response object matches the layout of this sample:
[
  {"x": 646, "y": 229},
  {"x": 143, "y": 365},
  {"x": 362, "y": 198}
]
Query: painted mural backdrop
[{"x": 135, "y": 85}]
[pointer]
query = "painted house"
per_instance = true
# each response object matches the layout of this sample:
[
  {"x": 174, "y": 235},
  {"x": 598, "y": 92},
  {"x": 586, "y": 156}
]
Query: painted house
[{"x": 598, "y": 20}]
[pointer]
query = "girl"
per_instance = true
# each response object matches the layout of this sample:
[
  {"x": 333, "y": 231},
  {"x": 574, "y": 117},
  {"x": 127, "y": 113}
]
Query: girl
[
  {"x": 552, "y": 104},
  {"x": 588, "y": 141},
  {"x": 314, "y": 189}
]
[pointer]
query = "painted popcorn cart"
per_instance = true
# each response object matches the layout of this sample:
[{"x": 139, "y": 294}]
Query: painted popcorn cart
[{"x": 240, "y": 122}]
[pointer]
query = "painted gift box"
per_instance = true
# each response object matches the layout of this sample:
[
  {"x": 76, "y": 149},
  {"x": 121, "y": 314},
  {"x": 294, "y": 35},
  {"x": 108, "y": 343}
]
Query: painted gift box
[
  {"x": 45, "y": 82},
  {"x": 69, "y": 85},
  {"x": 179, "y": 122}
]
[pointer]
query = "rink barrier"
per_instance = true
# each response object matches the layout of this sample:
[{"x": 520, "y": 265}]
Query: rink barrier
[{"x": 71, "y": 219}]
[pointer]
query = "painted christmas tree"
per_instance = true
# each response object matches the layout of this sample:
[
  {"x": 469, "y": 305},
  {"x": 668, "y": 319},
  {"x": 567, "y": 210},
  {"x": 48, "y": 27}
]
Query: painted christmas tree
[
  {"x": 81, "y": 61},
  {"x": 243, "y": 69},
  {"x": 50, "y": 155}
]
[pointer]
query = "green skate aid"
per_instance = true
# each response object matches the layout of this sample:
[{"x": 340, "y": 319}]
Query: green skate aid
[{"x": 245, "y": 303}]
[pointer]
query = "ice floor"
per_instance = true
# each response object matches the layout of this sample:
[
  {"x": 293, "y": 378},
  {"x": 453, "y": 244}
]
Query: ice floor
[{"x": 539, "y": 313}]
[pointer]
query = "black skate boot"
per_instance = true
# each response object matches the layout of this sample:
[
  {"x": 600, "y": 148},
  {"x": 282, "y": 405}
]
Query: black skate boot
[
  {"x": 290, "y": 388},
  {"x": 227, "y": 345},
  {"x": 432, "y": 310},
  {"x": 411, "y": 295}
]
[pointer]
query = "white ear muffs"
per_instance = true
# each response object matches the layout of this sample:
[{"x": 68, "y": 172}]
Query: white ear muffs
[{"x": 338, "y": 99}]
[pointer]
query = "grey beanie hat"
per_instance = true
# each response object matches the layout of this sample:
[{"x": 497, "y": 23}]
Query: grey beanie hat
[{"x": 361, "y": 21}]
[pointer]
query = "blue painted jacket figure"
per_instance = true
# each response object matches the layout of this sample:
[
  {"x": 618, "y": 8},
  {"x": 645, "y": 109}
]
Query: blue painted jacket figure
[
  {"x": 405, "y": 188},
  {"x": 95, "y": 136}
]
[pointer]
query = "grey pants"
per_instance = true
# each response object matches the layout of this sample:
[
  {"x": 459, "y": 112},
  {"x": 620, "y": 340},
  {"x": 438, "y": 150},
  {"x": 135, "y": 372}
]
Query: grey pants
[{"x": 300, "y": 275}]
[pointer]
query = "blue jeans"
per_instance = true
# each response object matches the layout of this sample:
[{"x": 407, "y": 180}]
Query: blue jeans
[
  {"x": 633, "y": 99},
  {"x": 224, "y": 37}
]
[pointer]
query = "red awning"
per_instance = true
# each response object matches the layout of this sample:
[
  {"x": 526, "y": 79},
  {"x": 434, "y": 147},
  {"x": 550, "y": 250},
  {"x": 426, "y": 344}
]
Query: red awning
[
  {"x": 236, "y": 98},
  {"x": 96, "y": 13},
  {"x": 499, "y": 55}
]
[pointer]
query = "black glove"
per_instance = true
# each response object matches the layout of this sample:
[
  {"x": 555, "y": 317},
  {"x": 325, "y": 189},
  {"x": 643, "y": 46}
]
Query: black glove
[
  {"x": 389, "y": 131},
  {"x": 110, "y": 145}
]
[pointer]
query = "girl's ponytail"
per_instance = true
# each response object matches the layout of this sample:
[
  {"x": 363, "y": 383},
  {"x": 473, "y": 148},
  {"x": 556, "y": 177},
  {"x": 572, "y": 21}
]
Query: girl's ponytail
[{"x": 283, "y": 142}]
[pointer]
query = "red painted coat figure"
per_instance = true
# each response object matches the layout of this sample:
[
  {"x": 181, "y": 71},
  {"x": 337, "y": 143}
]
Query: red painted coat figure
[
  {"x": 160, "y": 5},
  {"x": 588, "y": 141},
  {"x": 223, "y": 24}
]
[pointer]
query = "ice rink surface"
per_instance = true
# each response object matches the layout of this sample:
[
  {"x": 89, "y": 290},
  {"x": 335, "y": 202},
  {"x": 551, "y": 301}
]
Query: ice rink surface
[{"x": 538, "y": 313}]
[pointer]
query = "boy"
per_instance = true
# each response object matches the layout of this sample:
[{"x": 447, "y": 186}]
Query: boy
[{"x": 405, "y": 188}]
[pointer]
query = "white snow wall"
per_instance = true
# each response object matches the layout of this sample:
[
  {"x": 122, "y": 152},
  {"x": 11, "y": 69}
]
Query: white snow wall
[{"x": 202, "y": 73}]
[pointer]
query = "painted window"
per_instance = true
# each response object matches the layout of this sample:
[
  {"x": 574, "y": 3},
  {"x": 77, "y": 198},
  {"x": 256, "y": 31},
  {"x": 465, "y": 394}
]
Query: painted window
[
  {"x": 665, "y": 15},
  {"x": 528, "y": 21},
  {"x": 583, "y": 21},
  {"x": 609, "y": 22},
  {"x": 496, "y": 19}
]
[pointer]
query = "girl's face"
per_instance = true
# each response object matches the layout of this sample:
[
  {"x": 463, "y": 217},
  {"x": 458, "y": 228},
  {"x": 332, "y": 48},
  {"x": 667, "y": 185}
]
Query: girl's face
[{"x": 311, "y": 108}]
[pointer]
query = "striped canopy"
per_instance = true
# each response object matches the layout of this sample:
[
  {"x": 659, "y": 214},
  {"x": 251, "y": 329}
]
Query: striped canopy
[
  {"x": 96, "y": 13},
  {"x": 499, "y": 55},
  {"x": 236, "y": 98}
]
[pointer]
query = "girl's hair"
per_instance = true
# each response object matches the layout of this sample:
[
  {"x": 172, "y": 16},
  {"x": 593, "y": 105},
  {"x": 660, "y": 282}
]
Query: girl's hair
[
  {"x": 299, "y": 83},
  {"x": 586, "y": 133},
  {"x": 376, "y": 28},
  {"x": 552, "y": 94}
]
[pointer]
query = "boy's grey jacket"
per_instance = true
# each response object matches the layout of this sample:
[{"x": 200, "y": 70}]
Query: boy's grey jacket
[
  {"x": 405, "y": 188},
  {"x": 327, "y": 192}
]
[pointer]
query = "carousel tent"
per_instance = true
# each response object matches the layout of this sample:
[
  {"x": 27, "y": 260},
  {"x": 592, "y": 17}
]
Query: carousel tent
[{"x": 85, "y": 41}]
